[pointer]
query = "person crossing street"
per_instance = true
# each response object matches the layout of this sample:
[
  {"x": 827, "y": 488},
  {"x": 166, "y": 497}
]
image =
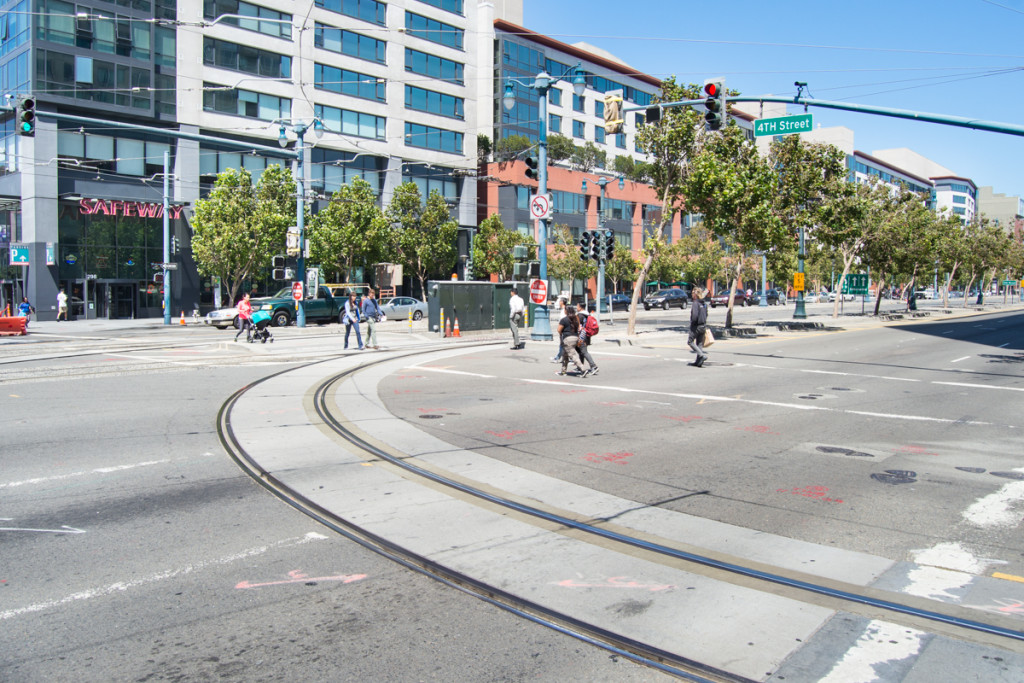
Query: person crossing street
[
  {"x": 373, "y": 314},
  {"x": 698, "y": 325},
  {"x": 516, "y": 308}
]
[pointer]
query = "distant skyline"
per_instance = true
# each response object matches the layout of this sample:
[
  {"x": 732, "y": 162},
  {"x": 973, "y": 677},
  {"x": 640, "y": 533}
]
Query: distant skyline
[{"x": 954, "y": 58}]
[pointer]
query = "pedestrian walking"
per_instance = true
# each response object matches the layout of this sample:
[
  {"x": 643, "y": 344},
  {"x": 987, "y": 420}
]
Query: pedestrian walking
[
  {"x": 583, "y": 348},
  {"x": 698, "y": 325},
  {"x": 516, "y": 308},
  {"x": 373, "y": 314},
  {"x": 351, "y": 319},
  {"x": 244, "y": 318},
  {"x": 559, "y": 314},
  {"x": 62, "y": 305},
  {"x": 569, "y": 333},
  {"x": 25, "y": 310}
]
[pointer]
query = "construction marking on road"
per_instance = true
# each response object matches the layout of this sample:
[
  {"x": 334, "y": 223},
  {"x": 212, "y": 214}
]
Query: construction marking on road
[
  {"x": 98, "y": 470},
  {"x": 1007, "y": 577},
  {"x": 296, "y": 576},
  {"x": 121, "y": 586}
]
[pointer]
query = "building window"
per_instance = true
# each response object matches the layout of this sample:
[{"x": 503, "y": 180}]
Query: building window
[
  {"x": 56, "y": 22},
  {"x": 443, "y": 184},
  {"x": 554, "y": 123},
  {"x": 555, "y": 97},
  {"x": 347, "y": 122},
  {"x": 348, "y": 82},
  {"x": 433, "y": 66},
  {"x": 276, "y": 24},
  {"x": 332, "y": 168},
  {"x": 350, "y": 43},
  {"x": 599, "y": 109},
  {"x": 421, "y": 99},
  {"x": 599, "y": 134},
  {"x": 164, "y": 46},
  {"x": 568, "y": 202},
  {"x": 428, "y": 137},
  {"x": 15, "y": 27},
  {"x": 620, "y": 141},
  {"x": 579, "y": 103},
  {"x": 959, "y": 199},
  {"x": 246, "y": 103},
  {"x": 367, "y": 10},
  {"x": 433, "y": 30},
  {"x": 959, "y": 210},
  {"x": 453, "y": 6},
  {"x": 579, "y": 130},
  {"x": 246, "y": 59},
  {"x": 618, "y": 210}
]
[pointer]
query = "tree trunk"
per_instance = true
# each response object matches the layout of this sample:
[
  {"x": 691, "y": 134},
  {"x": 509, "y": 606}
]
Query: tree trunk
[
  {"x": 847, "y": 261},
  {"x": 878, "y": 298},
  {"x": 967, "y": 290}
]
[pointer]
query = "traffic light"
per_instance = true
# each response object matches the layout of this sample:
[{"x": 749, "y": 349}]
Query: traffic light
[
  {"x": 715, "y": 104},
  {"x": 279, "y": 271},
  {"x": 653, "y": 114},
  {"x": 585, "y": 241},
  {"x": 532, "y": 170},
  {"x": 596, "y": 248},
  {"x": 27, "y": 116},
  {"x": 609, "y": 245},
  {"x": 613, "y": 112}
]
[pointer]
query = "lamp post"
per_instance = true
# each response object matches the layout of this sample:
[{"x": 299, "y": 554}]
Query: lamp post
[
  {"x": 764, "y": 281},
  {"x": 300, "y": 203},
  {"x": 799, "y": 312},
  {"x": 542, "y": 84},
  {"x": 601, "y": 182}
]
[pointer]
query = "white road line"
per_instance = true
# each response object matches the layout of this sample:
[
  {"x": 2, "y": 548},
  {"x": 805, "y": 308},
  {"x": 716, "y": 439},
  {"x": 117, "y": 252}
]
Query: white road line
[
  {"x": 448, "y": 372},
  {"x": 98, "y": 470},
  {"x": 978, "y": 386},
  {"x": 824, "y": 372},
  {"x": 162, "y": 576},
  {"x": 959, "y": 359}
]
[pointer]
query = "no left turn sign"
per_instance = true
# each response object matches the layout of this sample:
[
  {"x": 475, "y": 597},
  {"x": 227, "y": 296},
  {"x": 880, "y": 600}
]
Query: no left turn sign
[{"x": 540, "y": 206}]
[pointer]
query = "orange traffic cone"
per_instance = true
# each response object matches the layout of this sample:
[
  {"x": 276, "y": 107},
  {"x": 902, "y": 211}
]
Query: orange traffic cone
[
  {"x": 182, "y": 321},
  {"x": 456, "y": 328},
  {"x": 448, "y": 327}
]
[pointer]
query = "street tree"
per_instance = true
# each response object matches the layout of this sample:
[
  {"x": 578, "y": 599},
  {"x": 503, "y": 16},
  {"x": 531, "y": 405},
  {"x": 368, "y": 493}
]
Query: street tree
[
  {"x": 670, "y": 143},
  {"x": 510, "y": 147},
  {"x": 425, "y": 232},
  {"x": 735, "y": 189},
  {"x": 953, "y": 247},
  {"x": 845, "y": 223},
  {"x": 493, "y": 246},
  {"x": 239, "y": 226},
  {"x": 560, "y": 148},
  {"x": 634, "y": 170},
  {"x": 900, "y": 214},
  {"x": 702, "y": 255},
  {"x": 588, "y": 157},
  {"x": 351, "y": 232}
]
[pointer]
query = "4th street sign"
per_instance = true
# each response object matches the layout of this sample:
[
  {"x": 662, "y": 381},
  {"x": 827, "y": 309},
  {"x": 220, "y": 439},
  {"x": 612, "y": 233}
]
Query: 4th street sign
[
  {"x": 19, "y": 255},
  {"x": 783, "y": 125}
]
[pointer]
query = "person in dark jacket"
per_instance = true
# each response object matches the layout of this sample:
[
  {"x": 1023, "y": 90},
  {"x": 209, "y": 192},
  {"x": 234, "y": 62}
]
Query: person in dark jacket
[{"x": 698, "y": 325}]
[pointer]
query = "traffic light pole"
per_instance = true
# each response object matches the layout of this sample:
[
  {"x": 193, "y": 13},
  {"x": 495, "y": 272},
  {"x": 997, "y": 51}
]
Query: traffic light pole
[
  {"x": 541, "y": 330},
  {"x": 167, "y": 238}
]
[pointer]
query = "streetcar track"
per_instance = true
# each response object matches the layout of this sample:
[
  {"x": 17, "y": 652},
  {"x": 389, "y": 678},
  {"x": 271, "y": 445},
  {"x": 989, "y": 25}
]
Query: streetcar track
[{"x": 951, "y": 620}]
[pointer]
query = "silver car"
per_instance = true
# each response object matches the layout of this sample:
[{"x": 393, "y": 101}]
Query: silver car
[
  {"x": 222, "y": 318},
  {"x": 398, "y": 307}
]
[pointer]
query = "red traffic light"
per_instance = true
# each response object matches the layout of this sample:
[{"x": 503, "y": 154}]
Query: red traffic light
[{"x": 711, "y": 89}]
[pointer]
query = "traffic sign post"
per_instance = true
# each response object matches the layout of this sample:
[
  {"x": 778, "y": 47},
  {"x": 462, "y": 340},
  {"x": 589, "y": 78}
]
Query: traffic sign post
[
  {"x": 798, "y": 282},
  {"x": 855, "y": 283},
  {"x": 297, "y": 291},
  {"x": 540, "y": 206},
  {"x": 538, "y": 291},
  {"x": 20, "y": 255}
]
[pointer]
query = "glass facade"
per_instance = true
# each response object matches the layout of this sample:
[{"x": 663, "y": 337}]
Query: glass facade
[
  {"x": 433, "y": 30},
  {"x": 433, "y": 66},
  {"x": 350, "y": 44},
  {"x": 421, "y": 99},
  {"x": 348, "y": 122},
  {"x": 366, "y": 10},
  {"x": 428, "y": 137},
  {"x": 276, "y": 24},
  {"x": 348, "y": 82},
  {"x": 246, "y": 59}
]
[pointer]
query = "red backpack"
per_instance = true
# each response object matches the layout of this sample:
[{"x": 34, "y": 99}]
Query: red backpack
[{"x": 592, "y": 326}]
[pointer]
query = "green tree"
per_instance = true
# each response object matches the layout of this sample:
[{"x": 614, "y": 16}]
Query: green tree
[
  {"x": 426, "y": 232},
  {"x": 953, "y": 247},
  {"x": 588, "y": 157},
  {"x": 560, "y": 148},
  {"x": 622, "y": 267},
  {"x": 670, "y": 143},
  {"x": 702, "y": 255},
  {"x": 493, "y": 245},
  {"x": 564, "y": 262},
  {"x": 351, "y": 231},
  {"x": 634, "y": 170},
  {"x": 239, "y": 226},
  {"x": 483, "y": 149},
  {"x": 508, "y": 148},
  {"x": 735, "y": 188}
]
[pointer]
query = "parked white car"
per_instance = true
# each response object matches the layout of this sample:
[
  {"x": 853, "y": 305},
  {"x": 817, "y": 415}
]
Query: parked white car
[
  {"x": 398, "y": 307},
  {"x": 222, "y": 318}
]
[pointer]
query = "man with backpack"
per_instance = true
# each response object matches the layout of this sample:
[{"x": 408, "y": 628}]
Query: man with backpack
[{"x": 589, "y": 327}]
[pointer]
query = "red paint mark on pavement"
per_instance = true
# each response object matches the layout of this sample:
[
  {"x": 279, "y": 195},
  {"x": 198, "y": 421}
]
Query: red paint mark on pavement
[
  {"x": 296, "y": 576},
  {"x": 915, "y": 450},
  {"x": 507, "y": 434},
  {"x": 571, "y": 391},
  {"x": 759, "y": 429},
  {"x": 683, "y": 418},
  {"x": 612, "y": 403},
  {"x": 409, "y": 377},
  {"x": 616, "y": 582},
  {"x": 432, "y": 410},
  {"x": 407, "y": 391},
  {"x": 617, "y": 458},
  {"x": 816, "y": 492}
]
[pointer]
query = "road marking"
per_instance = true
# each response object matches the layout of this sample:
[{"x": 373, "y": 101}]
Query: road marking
[
  {"x": 960, "y": 359},
  {"x": 998, "y": 509},
  {"x": 121, "y": 586},
  {"x": 978, "y": 386},
  {"x": 296, "y": 576},
  {"x": 98, "y": 470},
  {"x": 449, "y": 372},
  {"x": 822, "y": 372},
  {"x": 64, "y": 529},
  {"x": 1008, "y": 577}
]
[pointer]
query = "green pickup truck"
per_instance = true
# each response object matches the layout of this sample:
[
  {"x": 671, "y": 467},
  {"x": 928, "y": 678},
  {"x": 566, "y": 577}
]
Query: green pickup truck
[{"x": 323, "y": 308}]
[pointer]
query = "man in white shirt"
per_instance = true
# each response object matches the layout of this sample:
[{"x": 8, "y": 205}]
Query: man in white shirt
[
  {"x": 516, "y": 307},
  {"x": 62, "y": 305}
]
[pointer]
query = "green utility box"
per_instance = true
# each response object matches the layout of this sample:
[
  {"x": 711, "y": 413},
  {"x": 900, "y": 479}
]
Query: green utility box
[{"x": 476, "y": 305}]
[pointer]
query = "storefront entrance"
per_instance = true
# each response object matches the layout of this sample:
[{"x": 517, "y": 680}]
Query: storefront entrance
[{"x": 102, "y": 299}]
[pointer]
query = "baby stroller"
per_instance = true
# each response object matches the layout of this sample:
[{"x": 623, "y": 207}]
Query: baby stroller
[{"x": 261, "y": 327}]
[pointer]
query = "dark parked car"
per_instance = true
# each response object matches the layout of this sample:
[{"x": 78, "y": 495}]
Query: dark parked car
[
  {"x": 722, "y": 299},
  {"x": 620, "y": 302},
  {"x": 666, "y": 298},
  {"x": 774, "y": 298}
]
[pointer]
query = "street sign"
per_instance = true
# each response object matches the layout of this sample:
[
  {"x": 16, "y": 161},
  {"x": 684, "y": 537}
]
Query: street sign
[
  {"x": 19, "y": 255},
  {"x": 855, "y": 283},
  {"x": 297, "y": 291},
  {"x": 538, "y": 291},
  {"x": 50, "y": 259},
  {"x": 798, "y": 282},
  {"x": 783, "y": 125},
  {"x": 1009, "y": 283},
  {"x": 168, "y": 266},
  {"x": 540, "y": 206}
]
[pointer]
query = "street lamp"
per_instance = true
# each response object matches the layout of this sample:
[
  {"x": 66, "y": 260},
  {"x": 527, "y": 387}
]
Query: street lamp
[
  {"x": 601, "y": 182},
  {"x": 542, "y": 84},
  {"x": 300, "y": 205}
]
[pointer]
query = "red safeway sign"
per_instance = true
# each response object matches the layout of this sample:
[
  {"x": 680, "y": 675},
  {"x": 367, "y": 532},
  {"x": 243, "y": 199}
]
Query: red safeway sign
[
  {"x": 297, "y": 291},
  {"x": 538, "y": 291}
]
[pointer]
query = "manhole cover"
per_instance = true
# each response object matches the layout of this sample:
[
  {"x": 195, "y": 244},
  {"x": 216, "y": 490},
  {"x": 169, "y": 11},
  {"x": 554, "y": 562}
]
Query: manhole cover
[
  {"x": 844, "y": 451},
  {"x": 896, "y": 477},
  {"x": 840, "y": 389},
  {"x": 1008, "y": 475},
  {"x": 431, "y": 417},
  {"x": 810, "y": 397},
  {"x": 972, "y": 470}
]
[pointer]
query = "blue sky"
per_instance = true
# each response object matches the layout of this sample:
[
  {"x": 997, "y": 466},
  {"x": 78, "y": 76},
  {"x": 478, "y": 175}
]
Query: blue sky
[{"x": 956, "y": 58}]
